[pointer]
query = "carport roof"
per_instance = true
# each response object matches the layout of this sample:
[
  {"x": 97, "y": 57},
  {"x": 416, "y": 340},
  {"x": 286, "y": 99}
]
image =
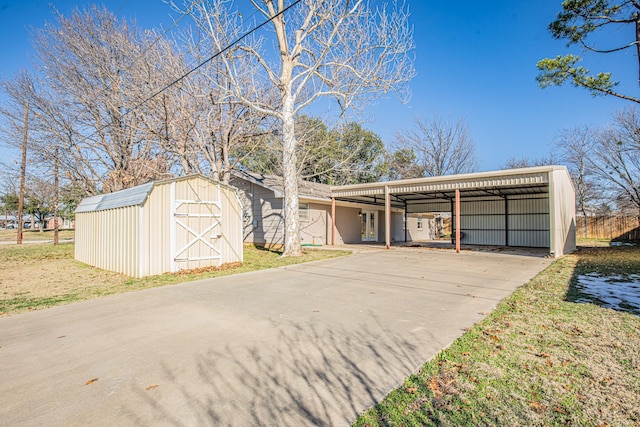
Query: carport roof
[{"x": 534, "y": 180}]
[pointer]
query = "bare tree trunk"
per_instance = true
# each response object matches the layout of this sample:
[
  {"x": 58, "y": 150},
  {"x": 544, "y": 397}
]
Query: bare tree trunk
[
  {"x": 56, "y": 196},
  {"x": 23, "y": 172},
  {"x": 292, "y": 246}
]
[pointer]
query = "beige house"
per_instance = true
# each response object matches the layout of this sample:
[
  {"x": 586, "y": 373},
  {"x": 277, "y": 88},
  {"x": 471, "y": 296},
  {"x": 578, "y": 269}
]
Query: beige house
[
  {"x": 263, "y": 220},
  {"x": 159, "y": 227}
]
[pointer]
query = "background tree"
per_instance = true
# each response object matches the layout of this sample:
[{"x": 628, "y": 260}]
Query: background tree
[
  {"x": 578, "y": 20},
  {"x": 525, "y": 162},
  {"x": 616, "y": 160},
  {"x": 350, "y": 51},
  {"x": 577, "y": 146},
  {"x": 440, "y": 147},
  {"x": 347, "y": 154},
  {"x": 402, "y": 164},
  {"x": 205, "y": 130},
  {"x": 360, "y": 159},
  {"x": 98, "y": 70},
  {"x": 39, "y": 200},
  {"x": 8, "y": 206}
]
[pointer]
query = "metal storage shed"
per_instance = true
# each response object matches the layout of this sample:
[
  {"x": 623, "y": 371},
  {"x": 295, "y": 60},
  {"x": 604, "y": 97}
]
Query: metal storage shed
[
  {"x": 159, "y": 227},
  {"x": 528, "y": 207}
]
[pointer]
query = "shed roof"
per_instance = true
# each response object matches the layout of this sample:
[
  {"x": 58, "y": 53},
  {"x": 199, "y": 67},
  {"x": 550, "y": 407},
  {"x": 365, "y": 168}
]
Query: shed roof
[{"x": 134, "y": 196}]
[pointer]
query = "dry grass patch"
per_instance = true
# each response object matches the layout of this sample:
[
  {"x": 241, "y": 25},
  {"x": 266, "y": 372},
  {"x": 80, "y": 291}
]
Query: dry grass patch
[
  {"x": 538, "y": 359},
  {"x": 34, "y": 235},
  {"x": 38, "y": 276}
]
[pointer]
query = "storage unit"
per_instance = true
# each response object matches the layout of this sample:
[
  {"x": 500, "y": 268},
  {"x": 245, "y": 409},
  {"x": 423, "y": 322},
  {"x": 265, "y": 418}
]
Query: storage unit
[
  {"x": 529, "y": 207},
  {"x": 159, "y": 227}
]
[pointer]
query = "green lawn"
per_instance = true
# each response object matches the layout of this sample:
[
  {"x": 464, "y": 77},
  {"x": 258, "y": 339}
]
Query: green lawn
[
  {"x": 36, "y": 276},
  {"x": 539, "y": 359}
]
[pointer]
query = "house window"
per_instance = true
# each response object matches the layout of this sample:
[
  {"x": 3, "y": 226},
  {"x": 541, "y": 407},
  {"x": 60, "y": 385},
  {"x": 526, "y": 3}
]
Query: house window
[
  {"x": 419, "y": 223},
  {"x": 303, "y": 211}
]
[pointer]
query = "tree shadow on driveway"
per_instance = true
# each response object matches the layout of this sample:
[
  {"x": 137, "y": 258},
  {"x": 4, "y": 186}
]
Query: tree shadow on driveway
[{"x": 316, "y": 376}]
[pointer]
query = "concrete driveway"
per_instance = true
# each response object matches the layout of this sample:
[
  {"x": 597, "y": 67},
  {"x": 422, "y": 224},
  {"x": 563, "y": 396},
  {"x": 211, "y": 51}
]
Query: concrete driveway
[{"x": 312, "y": 344}]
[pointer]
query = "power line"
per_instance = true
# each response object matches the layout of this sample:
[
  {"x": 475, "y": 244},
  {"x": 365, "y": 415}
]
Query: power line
[{"x": 185, "y": 75}]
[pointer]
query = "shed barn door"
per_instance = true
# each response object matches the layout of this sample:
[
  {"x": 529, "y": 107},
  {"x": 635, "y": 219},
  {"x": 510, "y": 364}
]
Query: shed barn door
[{"x": 197, "y": 231}]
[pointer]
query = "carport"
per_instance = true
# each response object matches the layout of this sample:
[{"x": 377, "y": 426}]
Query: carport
[{"x": 527, "y": 207}]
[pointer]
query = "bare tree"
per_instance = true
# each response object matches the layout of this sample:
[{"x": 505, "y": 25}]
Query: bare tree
[
  {"x": 194, "y": 119},
  {"x": 350, "y": 51},
  {"x": 577, "y": 146},
  {"x": 525, "y": 162},
  {"x": 440, "y": 147},
  {"x": 98, "y": 71},
  {"x": 617, "y": 159}
]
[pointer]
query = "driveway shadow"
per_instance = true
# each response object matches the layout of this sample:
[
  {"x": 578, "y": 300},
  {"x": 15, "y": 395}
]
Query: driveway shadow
[{"x": 316, "y": 376}]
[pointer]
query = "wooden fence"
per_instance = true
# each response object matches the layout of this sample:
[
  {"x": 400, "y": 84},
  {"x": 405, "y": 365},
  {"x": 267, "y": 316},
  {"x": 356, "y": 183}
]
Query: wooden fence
[{"x": 608, "y": 227}]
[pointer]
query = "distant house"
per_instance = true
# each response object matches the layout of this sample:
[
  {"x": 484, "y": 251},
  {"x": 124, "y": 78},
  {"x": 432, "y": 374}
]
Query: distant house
[
  {"x": 63, "y": 223},
  {"x": 263, "y": 219}
]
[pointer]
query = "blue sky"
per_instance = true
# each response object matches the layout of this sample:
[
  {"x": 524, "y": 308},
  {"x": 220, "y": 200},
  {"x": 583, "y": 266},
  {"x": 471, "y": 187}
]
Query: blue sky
[{"x": 475, "y": 60}]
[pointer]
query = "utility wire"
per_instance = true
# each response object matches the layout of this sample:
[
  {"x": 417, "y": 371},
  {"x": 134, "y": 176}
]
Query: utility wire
[{"x": 185, "y": 75}]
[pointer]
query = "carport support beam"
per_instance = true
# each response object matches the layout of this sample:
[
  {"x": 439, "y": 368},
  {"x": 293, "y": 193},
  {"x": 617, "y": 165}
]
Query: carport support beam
[
  {"x": 457, "y": 220},
  {"x": 387, "y": 217},
  {"x": 333, "y": 221}
]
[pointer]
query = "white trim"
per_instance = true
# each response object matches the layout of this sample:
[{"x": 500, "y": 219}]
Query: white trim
[
  {"x": 173, "y": 228},
  {"x": 199, "y": 258},
  {"x": 140, "y": 241}
]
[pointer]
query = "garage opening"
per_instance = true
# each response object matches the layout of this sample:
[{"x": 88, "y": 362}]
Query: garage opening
[{"x": 528, "y": 207}]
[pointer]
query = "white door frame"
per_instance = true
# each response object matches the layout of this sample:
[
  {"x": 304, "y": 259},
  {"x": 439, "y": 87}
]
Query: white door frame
[{"x": 370, "y": 221}]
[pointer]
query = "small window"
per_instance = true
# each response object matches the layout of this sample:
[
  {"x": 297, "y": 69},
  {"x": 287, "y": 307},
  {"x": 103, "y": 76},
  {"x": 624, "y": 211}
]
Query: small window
[
  {"x": 404, "y": 222},
  {"x": 419, "y": 223},
  {"x": 303, "y": 211}
]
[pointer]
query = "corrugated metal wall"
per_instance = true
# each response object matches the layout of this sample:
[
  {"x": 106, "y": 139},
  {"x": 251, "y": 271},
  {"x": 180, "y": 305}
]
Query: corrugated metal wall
[
  {"x": 529, "y": 220},
  {"x": 109, "y": 239},
  {"x": 563, "y": 214},
  {"x": 155, "y": 253},
  {"x": 145, "y": 240},
  {"x": 232, "y": 233},
  {"x": 483, "y": 219}
]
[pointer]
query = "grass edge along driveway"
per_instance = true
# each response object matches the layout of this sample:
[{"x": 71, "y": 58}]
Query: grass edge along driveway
[
  {"x": 539, "y": 359},
  {"x": 38, "y": 276}
]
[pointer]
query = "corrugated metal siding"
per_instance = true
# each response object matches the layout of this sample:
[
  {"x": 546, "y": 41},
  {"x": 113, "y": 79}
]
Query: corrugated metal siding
[
  {"x": 529, "y": 221},
  {"x": 429, "y": 207},
  {"x": 137, "y": 241},
  {"x": 232, "y": 242},
  {"x": 483, "y": 221},
  {"x": 156, "y": 225},
  {"x": 448, "y": 185},
  {"x": 109, "y": 239},
  {"x": 563, "y": 214},
  {"x": 134, "y": 196}
]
